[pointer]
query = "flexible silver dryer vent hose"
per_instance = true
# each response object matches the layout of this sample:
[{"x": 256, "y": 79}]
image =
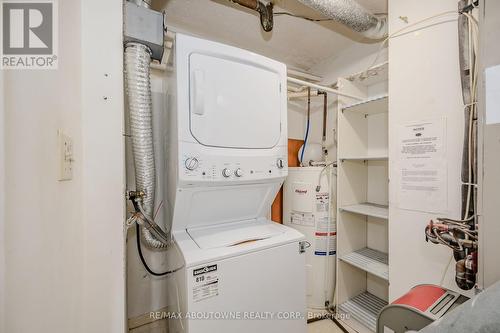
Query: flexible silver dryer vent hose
[
  {"x": 142, "y": 3},
  {"x": 138, "y": 89},
  {"x": 352, "y": 15}
]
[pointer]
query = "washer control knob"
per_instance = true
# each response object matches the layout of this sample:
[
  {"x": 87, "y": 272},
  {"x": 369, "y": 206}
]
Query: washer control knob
[
  {"x": 280, "y": 163},
  {"x": 191, "y": 163},
  {"x": 238, "y": 172},
  {"x": 226, "y": 173}
]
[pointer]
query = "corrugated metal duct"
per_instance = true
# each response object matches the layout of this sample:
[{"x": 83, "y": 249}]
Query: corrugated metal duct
[{"x": 351, "y": 14}]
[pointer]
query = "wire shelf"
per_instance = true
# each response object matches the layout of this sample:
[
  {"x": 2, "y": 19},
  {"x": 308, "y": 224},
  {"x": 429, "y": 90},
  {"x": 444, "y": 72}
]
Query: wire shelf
[
  {"x": 369, "y": 260},
  {"x": 364, "y": 308}
]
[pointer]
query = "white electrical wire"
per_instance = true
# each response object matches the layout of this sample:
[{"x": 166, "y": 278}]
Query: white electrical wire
[
  {"x": 441, "y": 282},
  {"x": 473, "y": 42},
  {"x": 318, "y": 187},
  {"x": 397, "y": 32},
  {"x": 328, "y": 242},
  {"x": 328, "y": 230}
]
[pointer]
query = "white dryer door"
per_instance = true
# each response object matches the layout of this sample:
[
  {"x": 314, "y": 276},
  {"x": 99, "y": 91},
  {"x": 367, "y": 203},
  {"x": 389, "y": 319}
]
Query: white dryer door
[{"x": 233, "y": 103}]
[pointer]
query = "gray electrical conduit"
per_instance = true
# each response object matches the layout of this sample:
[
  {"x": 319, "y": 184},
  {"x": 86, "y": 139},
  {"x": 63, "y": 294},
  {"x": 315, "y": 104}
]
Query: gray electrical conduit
[
  {"x": 138, "y": 89},
  {"x": 352, "y": 15}
]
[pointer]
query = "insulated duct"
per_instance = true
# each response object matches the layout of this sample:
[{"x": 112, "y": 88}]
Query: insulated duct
[{"x": 352, "y": 15}]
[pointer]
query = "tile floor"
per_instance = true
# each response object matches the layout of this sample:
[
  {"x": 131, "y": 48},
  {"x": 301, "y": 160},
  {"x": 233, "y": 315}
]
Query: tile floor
[
  {"x": 323, "y": 326},
  {"x": 159, "y": 326}
]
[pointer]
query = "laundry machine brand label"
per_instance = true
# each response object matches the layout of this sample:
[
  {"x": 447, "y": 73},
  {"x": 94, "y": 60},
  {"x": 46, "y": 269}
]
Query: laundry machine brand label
[
  {"x": 205, "y": 282},
  {"x": 204, "y": 270}
]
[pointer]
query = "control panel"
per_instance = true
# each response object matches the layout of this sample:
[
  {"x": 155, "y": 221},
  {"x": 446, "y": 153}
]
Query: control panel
[{"x": 231, "y": 168}]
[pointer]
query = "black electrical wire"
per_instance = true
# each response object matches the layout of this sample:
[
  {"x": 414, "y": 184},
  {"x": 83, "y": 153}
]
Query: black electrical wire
[
  {"x": 339, "y": 325},
  {"x": 313, "y": 19},
  {"x": 333, "y": 314},
  {"x": 143, "y": 260},
  {"x": 301, "y": 17}
]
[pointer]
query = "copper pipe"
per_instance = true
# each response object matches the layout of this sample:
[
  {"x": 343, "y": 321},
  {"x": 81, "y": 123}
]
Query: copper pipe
[
  {"x": 308, "y": 102},
  {"x": 251, "y": 4},
  {"x": 325, "y": 110}
]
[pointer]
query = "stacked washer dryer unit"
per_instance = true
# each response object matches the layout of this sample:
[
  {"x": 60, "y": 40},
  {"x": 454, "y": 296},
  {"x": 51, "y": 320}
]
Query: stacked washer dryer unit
[{"x": 228, "y": 159}]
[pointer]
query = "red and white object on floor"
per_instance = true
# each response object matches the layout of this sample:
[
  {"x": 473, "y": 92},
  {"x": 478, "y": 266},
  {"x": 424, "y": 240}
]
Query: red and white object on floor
[{"x": 416, "y": 309}]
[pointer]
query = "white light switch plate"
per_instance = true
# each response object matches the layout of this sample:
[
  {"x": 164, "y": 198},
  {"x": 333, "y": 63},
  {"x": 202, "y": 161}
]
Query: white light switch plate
[{"x": 65, "y": 156}]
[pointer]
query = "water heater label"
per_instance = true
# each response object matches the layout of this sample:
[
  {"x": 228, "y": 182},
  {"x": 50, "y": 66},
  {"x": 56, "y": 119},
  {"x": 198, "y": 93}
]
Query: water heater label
[
  {"x": 304, "y": 219},
  {"x": 322, "y": 202},
  {"x": 205, "y": 282},
  {"x": 323, "y": 224},
  {"x": 325, "y": 243}
]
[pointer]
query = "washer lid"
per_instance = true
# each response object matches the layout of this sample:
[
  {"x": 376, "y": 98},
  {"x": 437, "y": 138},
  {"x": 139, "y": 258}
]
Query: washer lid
[
  {"x": 234, "y": 103},
  {"x": 233, "y": 234}
]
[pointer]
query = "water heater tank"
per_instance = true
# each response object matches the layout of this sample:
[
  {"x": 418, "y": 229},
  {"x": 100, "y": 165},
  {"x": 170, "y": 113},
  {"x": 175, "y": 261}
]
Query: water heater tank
[{"x": 312, "y": 212}]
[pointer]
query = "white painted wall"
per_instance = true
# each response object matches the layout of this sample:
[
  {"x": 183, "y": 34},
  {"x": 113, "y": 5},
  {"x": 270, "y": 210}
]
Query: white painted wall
[
  {"x": 354, "y": 59},
  {"x": 2, "y": 207},
  {"x": 103, "y": 166},
  {"x": 44, "y": 239},
  {"x": 489, "y": 144},
  {"x": 64, "y": 241},
  {"x": 424, "y": 83}
]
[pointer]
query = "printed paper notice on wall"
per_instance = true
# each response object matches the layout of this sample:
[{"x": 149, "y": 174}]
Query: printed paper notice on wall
[{"x": 422, "y": 166}]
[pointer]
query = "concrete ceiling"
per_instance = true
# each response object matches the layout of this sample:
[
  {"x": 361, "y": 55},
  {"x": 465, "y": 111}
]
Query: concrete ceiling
[{"x": 299, "y": 43}]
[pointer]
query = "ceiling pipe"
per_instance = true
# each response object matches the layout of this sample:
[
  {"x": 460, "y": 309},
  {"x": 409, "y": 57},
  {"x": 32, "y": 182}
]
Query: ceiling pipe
[
  {"x": 351, "y": 14},
  {"x": 301, "y": 94},
  {"x": 303, "y": 75},
  {"x": 323, "y": 88},
  {"x": 265, "y": 11}
]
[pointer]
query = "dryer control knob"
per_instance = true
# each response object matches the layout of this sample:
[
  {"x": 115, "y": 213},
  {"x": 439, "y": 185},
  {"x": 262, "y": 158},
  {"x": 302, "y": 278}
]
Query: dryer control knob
[
  {"x": 280, "y": 163},
  {"x": 191, "y": 163},
  {"x": 238, "y": 172},
  {"x": 226, "y": 173}
]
